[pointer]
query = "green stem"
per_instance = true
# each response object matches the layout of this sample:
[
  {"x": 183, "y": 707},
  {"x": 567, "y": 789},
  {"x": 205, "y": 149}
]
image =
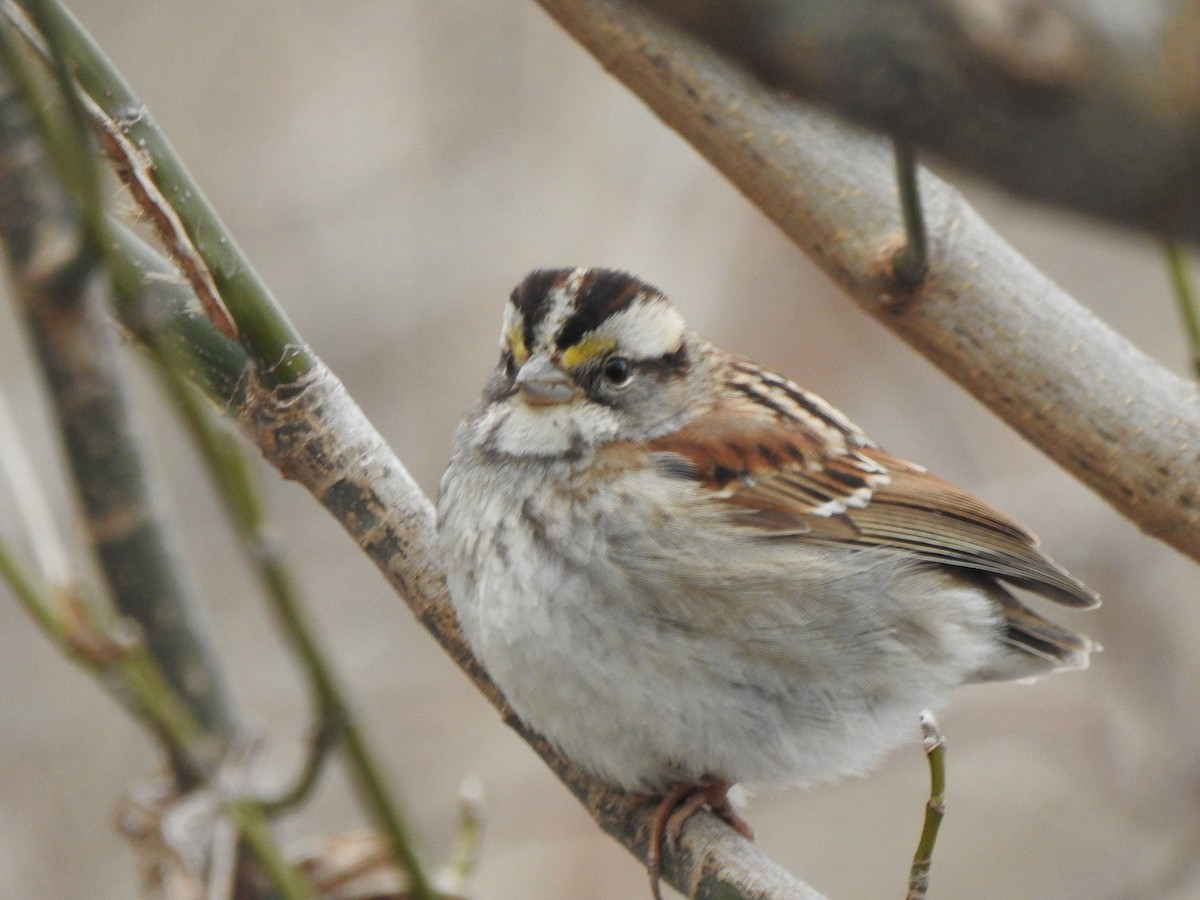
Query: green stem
[
  {"x": 232, "y": 474},
  {"x": 56, "y": 265},
  {"x": 1185, "y": 296},
  {"x": 326, "y": 736},
  {"x": 255, "y": 828},
  {"x": 910, "y": 262},
  {"x": 37, "y": 605},
  {"x": 69, "y": 138},
  {"x": 233, "y": 477},
  {"x": 125, "y": 666},
  {"x": 935, "y": 808},
  {"x": 172, "y": 325},
  {"x": 272, "y": 340},
  {"x": 468, "y": 836}
]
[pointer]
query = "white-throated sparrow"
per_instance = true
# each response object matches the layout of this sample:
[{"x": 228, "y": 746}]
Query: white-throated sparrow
[{"x": 685, "y": 570}]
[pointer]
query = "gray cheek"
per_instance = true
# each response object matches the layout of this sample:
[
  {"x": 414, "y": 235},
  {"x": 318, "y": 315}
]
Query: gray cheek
[
  {"x": 499, "y": 385},
  {"x": 650, "y": 406}
]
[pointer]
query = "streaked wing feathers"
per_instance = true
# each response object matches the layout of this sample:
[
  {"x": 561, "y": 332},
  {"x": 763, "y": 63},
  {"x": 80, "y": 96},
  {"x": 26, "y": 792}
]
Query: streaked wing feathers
[
  {"x": 920, "y": 512},
  {"x": 790, "y": 465}
]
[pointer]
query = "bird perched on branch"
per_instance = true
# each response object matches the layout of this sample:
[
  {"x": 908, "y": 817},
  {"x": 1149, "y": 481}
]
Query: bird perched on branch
[{"x": 686, "y": 571}]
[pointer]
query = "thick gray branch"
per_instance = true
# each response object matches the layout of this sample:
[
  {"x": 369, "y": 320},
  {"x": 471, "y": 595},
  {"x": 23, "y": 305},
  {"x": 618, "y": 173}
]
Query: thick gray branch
[
  {"x": 1075, "y": 388},
  {"x": 1089, "y": 104}
]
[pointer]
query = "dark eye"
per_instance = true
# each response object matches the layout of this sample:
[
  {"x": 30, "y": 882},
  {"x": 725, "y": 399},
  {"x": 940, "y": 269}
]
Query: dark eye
[{"x": 617, "y": 371}]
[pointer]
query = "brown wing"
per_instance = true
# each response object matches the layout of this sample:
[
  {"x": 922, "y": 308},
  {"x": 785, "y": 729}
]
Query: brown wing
[
  {"x": 769, "y": 445},
  {"x": 790, "y": 464},
  {"x": 937, "y": 521}
]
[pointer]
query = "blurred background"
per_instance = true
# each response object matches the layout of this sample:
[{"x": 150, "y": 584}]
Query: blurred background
[{"x": 393, "y": 169}]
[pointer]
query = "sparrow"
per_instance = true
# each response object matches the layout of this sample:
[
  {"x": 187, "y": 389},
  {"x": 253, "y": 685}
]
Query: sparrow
[{"x": 686, "y": 571}]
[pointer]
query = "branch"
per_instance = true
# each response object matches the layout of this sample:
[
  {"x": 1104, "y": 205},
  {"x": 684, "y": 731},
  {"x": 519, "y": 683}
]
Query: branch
[
  {"x": 238, "y": 489},
  {"x": 1060, "y": 101},
  {"x": 166, "y": 673},
  {"x": 1076, "y": 389},
  {"x": 59, "y": 275},
  {"x": 187, "y": 223}
]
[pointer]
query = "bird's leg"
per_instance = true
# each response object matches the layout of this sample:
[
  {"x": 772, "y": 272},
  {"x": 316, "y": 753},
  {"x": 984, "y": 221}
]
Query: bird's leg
[
  {"x": 658, "y": 827},
  {"x": 678, "y": 805},
  {"x": 716, "y": 795}
]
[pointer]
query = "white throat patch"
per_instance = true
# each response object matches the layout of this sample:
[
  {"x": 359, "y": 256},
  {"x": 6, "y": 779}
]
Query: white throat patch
[{"x": 514, "y": 428}]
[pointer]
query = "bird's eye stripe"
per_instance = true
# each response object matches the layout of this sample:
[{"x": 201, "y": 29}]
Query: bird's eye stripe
[{"x": 590, "y": 348}]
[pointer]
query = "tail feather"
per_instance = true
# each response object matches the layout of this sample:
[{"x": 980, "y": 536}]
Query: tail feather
[{"x": 1033, "y": 645}]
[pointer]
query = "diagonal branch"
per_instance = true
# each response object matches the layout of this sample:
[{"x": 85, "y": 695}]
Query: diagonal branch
[
  {"x": 1063, "y": 101},
  {"x": 1071, "y": 385}
]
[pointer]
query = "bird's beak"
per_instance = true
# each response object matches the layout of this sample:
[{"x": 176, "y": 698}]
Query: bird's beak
[{"x": 542, "y": 383}]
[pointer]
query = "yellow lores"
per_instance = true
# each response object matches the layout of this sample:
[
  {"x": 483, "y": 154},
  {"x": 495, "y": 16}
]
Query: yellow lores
[
  {"x": 589, "y": 348},
  {"x": 516, "y": 344}
]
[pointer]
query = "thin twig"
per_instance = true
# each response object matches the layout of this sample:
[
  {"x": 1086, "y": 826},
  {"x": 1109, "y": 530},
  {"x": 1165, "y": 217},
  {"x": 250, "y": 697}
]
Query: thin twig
[
  {"x": 231, "y": 474},
  {"x": 935, "y": 807},
  {"x": 1185, "y": 296},
  {"x": 468, "y": 837},
  {"x": 325, "y": 737},
  {"x": 37, "y": 604},
  {"x": 911, "y": 262}
]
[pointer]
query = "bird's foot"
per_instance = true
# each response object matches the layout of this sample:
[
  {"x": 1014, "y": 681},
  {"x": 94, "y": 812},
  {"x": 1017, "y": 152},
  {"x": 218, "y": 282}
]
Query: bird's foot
[{"x": 678, "y": 805}]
